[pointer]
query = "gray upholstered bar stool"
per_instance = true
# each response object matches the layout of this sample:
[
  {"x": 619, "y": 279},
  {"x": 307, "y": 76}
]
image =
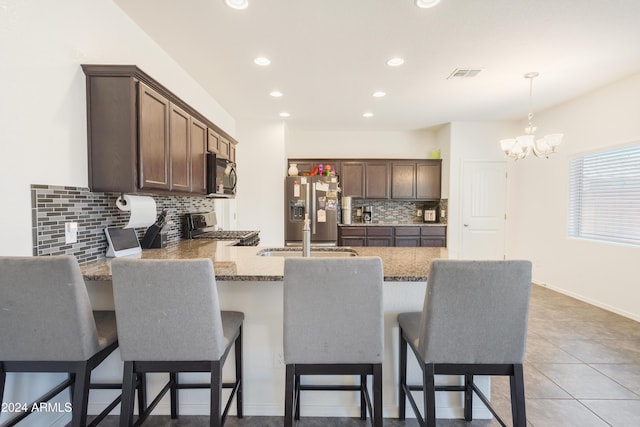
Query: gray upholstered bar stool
[
  {"x": 474, "y": 322},
  {"x": 333, "y": 325},
  {"x": 48, "y": 326},
  {"x": 169, "y": 320}
]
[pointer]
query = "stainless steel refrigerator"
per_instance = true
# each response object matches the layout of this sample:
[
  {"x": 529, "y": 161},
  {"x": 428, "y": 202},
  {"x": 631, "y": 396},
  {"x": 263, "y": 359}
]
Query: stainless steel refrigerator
[{"x": 317, "y": 197}]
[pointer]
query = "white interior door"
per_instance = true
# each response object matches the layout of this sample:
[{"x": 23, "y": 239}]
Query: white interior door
[{"x": 484, "y": 193}]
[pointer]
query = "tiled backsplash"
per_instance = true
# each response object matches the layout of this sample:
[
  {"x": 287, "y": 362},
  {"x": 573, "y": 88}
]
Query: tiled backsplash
[
  {"x": 53, "y": 206},
  {"x": 394, "y": 211}
]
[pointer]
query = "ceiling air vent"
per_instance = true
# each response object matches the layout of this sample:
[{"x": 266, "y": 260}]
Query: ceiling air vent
[{"x": 463, "y": 73}]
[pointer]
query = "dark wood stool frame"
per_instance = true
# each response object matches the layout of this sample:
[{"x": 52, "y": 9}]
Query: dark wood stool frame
[
  {"x": 79, "y": 384},
  {"x": 429, "y": 370},
  {"x": 293, "y": 388},
  {"x": 218, "y": 416}
]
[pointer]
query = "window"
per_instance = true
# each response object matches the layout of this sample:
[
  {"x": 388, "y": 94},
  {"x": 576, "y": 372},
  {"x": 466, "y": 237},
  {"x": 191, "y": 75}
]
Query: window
[{"x": 604, "y": 196}]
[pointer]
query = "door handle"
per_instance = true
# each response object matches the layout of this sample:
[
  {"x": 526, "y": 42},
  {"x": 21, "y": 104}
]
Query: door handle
[{"x": 466, "y": 225}]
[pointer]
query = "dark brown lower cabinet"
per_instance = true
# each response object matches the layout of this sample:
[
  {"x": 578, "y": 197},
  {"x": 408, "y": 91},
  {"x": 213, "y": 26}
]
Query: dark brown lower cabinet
[
  {"x": 352, "y": 236},
  {"x": 380, "y": 236},
  {"x": 393, "y": 236},
  {"x": 407, "y": 236},
  {"x": 434, "y": 236}
]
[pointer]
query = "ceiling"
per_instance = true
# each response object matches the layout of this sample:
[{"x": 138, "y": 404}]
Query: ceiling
[{"x": 329, "y": 56}]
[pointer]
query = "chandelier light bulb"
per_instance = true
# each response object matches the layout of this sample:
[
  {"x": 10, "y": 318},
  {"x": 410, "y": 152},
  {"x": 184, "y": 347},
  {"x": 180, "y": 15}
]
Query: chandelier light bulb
[
  {"x": 237, "y": 4},
  {"x": 425, "y": 4}
]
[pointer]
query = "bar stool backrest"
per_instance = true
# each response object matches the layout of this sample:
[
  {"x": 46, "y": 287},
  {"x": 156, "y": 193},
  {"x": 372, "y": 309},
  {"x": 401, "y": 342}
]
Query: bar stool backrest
[
  {"x": 333, "y": 310},
  {"x": 475, "y": 312},
  {"x": 45, "y": 312},
  {"x": 167, "y": 310}
]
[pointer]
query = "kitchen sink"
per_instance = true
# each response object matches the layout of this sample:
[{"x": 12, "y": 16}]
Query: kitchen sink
[{"x": 315, "y": 252}]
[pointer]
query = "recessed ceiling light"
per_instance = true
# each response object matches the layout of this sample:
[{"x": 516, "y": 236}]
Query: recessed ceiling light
[
  {"x": 395, "y": 62},
  {"x": 237, "y": 4},
  {"x": 276, "y": 94},
  {"x": 262, "y": 61},
  {"x": 367, "y": 115},
  {"x": 379, "y": 94},
  {"x": 425, "y": 4},
  {"x": 285, "y": 114}
]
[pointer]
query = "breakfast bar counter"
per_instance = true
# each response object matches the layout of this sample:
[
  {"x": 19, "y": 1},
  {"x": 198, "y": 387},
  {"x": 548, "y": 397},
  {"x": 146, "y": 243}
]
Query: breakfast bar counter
[{"x": 243, "y": 263}]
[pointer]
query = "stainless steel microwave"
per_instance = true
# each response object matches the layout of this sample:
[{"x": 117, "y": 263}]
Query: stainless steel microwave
[{"x": 221, "y": 177}]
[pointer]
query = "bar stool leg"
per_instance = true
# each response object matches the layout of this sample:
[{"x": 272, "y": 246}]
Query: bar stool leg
[
  {"x": 239, "y": 380},
  {"x": 173, "y": 377},
  {"x": 142, "y": 392},
  {"x": 402, "y": 396},
  {"x": 80, "y": 395},
  {"x": 128, "y": 392},
  {"x": 289, "y": 396},
  {"x": 3, "y": 377},
  {"x": 377, "y": 395},
  {"x": 468, "y": 397},
  {"x": 216, "y": 394},
  {"x": 518, "y": 406},
  {"x": 429, "y": 395},
  {"x": 297, "y": 398},
  {"x": 363, "y": 399}
]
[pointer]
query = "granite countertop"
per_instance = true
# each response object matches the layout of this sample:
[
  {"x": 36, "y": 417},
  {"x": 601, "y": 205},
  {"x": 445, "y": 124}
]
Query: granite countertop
[
  {"x": 241, "y": 263},
  {"x": 392, "y": 224}
]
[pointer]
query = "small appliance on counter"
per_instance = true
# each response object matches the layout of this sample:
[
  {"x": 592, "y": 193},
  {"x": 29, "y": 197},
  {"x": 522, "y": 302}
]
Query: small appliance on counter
[
  {"x": 155, "y": 238},
  {"x": 367, "y": 214},
  {"x": 122, "y": 242},
  {"x": 201, "y": 225},
  {"x": 430, "y": 214}
]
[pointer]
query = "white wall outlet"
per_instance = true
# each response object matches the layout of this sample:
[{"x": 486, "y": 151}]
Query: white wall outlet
[
  {"x": 70, "y": 232},
  {"x": 419, "y": 213}
]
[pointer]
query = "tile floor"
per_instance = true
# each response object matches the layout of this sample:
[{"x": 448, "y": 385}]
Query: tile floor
[{"x": 582, "y": 369}]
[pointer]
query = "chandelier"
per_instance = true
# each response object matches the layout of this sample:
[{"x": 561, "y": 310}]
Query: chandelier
[{"x": 523, "y": 145}]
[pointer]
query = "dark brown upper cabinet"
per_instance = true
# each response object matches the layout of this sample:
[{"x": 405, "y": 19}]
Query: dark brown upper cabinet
[
  {"x": 403, "y": 180},
  {"x": 353, "y": 179},
  {"x": 416, "y": 180},
  {"x": 180, "y": 146},
  {"x": 154, "y": 138},
  {"x": 377, "y": 179},
  {"x": 428, "y": 179},
  {"x": 198, "y": 137},
  {"x": 142, "y": 138}
]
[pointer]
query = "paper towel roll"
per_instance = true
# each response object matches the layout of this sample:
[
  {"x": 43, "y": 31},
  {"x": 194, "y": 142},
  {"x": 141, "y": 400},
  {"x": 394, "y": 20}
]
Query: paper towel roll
[{"x": 142, "y": 208}]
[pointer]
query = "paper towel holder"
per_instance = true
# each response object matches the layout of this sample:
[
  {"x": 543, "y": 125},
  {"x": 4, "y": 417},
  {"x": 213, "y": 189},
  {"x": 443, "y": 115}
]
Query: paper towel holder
[{"x": 123, "y": 201}]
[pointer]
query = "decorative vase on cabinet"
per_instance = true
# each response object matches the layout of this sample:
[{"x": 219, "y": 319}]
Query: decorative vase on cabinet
[{"x": 293, "y": 169}]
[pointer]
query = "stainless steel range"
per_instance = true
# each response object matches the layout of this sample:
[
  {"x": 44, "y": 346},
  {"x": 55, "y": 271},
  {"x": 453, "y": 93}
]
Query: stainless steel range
[{"x": 201, "y": 225}]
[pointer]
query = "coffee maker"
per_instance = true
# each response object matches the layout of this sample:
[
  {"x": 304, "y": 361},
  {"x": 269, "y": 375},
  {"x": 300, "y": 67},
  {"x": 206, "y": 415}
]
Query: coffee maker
[{"x": 367, "y": 214}]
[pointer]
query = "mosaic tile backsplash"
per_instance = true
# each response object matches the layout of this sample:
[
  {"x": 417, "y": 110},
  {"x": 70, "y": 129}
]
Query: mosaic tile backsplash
[
  {"x": 53, "y": 206},
  {"x": 396, "y": 212}
]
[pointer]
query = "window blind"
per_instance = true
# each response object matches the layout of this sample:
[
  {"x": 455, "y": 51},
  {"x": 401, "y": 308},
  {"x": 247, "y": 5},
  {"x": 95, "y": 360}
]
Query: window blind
[{"x": 604, "y": 196}]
